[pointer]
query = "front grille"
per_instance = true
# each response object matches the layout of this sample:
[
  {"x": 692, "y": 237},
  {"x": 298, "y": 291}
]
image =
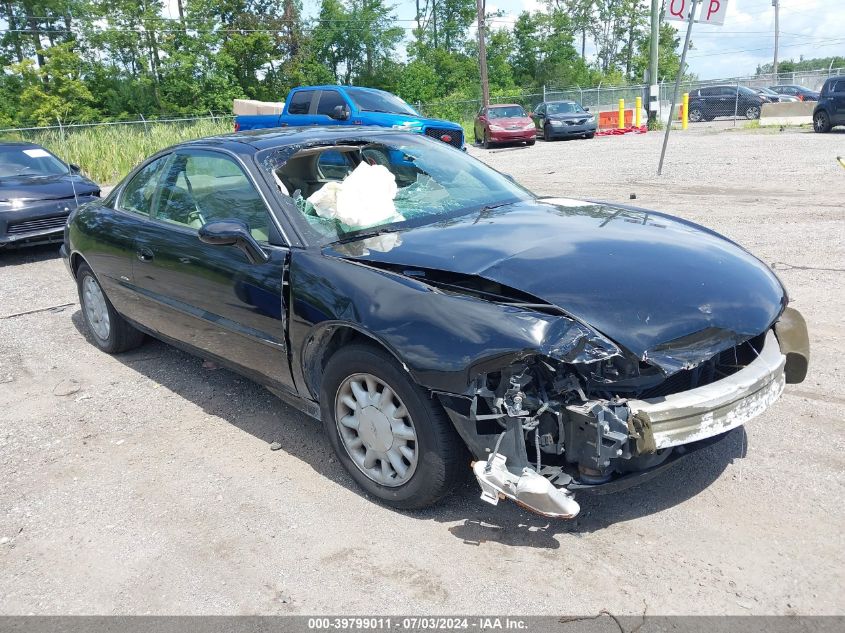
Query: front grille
[
  {"x": 720, "y": 366},
  {"x": 576, "y": 121},
  {"x": 456, "y": 138},
  {"x": 33, "y": 226}
]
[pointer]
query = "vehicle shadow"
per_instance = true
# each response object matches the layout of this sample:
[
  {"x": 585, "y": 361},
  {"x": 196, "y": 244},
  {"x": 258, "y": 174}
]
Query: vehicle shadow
[
  {"x": 256, "y": 411},
  {"x": 28, "y": 254}
]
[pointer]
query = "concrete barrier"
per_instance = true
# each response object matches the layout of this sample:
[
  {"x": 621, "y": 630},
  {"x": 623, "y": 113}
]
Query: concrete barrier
[
  {"x": 791, "y": 113},
  {"x": 250, "y": 106}
]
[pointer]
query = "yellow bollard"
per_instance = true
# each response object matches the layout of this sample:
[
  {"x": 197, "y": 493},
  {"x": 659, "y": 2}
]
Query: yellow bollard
[
  {"x": 685, "y": 113},
  {"x": 621, "y": 125},
  {"x": 638, "y": 117}
]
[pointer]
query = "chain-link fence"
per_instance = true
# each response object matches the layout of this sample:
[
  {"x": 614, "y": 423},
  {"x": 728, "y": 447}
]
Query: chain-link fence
[{"x": 735, "y": 98}]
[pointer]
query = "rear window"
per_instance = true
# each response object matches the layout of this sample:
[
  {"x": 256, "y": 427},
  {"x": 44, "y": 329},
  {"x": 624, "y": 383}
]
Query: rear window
[{"x": 300, "y": 102}]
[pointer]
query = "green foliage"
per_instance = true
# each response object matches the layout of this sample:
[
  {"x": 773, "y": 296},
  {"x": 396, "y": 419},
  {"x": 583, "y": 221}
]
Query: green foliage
[
  {"x": 107, "y": 153},
  {"x": 792, "y": 66},
  {"x": 87, "y": 60}
]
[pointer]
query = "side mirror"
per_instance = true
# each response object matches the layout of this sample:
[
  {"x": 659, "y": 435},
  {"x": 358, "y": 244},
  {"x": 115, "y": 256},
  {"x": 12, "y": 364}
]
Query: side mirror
[
  {"x": 586, "y": 109},
  {"x": 75, "y": 169},
  {"x": 233, "y": 233},
  {"x": 340, "y": 113}
]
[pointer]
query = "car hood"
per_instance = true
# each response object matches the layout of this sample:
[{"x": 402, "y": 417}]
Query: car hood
[
  {"x": 569, "y": 117},
  {"x": 45, "y": 187},
  {"x": 665, "y": 289},
  {"x": 511, "y": 120}
]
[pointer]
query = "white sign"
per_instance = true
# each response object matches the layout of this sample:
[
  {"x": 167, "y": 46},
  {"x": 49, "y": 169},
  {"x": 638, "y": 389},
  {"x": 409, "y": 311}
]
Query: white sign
[{"x": 712, "y": 11}]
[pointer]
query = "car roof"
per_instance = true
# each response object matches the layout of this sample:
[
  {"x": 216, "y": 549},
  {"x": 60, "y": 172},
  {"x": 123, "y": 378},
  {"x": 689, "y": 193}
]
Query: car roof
[
  {"x": 504, "y": 105},
  {"x": 18, "y": 144},
  {"x": 335, "y": 87},
  {"x": 252, "y": 141},
  {"x": 562, "y": 101}
]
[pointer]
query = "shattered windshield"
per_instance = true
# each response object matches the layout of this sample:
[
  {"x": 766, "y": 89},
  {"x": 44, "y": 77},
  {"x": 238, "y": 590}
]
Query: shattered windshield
[
  {"x": 344, "y": 191},
  {"x": 373, "y": 101}
]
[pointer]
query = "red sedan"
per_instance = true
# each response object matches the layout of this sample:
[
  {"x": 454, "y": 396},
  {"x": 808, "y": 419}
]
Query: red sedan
[{"x": 504, "y": 123}]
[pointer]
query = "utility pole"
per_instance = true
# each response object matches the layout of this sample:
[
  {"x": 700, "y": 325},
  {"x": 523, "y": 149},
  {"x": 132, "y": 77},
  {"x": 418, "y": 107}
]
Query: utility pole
[
  {"x": 654, "y": 90},
  {"x": 776, "y": 5},
  {"x": 482, "y": 55}
]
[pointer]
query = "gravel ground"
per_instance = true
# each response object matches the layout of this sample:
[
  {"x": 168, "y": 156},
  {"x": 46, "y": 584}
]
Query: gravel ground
[{"x": 143, "y": 483}]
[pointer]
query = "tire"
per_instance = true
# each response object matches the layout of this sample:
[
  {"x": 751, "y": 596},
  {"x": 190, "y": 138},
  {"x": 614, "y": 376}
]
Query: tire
[
  {"x": 109, "y": 331},
  {"x": 590, "y": 135},
  {"x": 752, "y": 112},
  {"x": 547, "y": 135},
  {"x": 696, "y": 115},
  {"x": 440, "y": 458},
  {"x": 821, "y": 122},
  {"x": 531, "y": 142},
  {"x": 485, "y": 142}
]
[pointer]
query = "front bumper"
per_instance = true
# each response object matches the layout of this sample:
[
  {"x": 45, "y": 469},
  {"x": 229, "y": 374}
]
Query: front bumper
[
  {"x": 38, "y": 222},
  {"x": 512, "y": 136},
  {"x": 713, "y": 409},
  {"x": 560, "y": 131}
]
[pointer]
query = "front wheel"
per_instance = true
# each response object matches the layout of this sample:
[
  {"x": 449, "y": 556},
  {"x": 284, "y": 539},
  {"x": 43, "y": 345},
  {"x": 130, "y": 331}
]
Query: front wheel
[
  {"x": 821, "y": 122},
  {"x": 589, "y": 135},
  {"x": 485, "y": 143},
  {"x": 530, "y": 142},
  {"x": 392, "y": 437},
  {"x": 696, "y": 115},
  {"x": 109, "y": 331},
  {"x": 547, "y": 133}
]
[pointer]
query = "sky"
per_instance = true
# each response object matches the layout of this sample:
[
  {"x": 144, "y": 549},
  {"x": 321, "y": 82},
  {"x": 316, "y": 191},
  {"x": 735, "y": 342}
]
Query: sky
[{"x": 812, "y": 28}]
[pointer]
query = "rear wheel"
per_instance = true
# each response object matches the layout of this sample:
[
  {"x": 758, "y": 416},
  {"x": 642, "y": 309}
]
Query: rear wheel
[
  {"x": 821, "y": 122},
  {"x": 392, "y": 437},
  {"x": 109, "y": 331},
  {"x": 752, "y": 112}
]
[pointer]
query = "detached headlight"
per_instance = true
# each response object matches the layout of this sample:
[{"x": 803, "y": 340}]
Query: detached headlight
[
  {"x": 529, "y": 126},
  {"x": 556, "y": 123}
]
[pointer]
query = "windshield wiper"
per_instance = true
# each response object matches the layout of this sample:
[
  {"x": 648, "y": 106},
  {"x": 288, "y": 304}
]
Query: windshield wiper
[{"x": 363, "y": 234}]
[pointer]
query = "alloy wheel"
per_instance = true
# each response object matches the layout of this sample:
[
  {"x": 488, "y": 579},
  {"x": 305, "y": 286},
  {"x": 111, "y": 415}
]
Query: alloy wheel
[{"x": 376, "y": 430}]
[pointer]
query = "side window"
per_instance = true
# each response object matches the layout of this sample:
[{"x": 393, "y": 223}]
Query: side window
[
  {"x": 329, "y": 99},
  {"x": 300, "y": 102},
  {"x": 139, "y": 193},
  {"x": 836, "y": 86},
  {"x": 707, "y": 92},
  {"x": 205, "y": 186}
]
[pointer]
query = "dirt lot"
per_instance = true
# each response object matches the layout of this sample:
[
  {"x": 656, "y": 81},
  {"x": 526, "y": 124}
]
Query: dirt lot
[{"x": 145, "y": 484}]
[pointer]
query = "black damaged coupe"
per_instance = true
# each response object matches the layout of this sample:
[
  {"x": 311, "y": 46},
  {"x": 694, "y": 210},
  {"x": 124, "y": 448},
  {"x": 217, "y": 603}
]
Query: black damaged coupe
[{"x": 436, "y": 316}]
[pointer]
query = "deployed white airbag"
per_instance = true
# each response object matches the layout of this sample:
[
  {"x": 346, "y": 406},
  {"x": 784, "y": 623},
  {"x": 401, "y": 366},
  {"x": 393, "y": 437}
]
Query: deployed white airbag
[{"x": 364, "y": 198}]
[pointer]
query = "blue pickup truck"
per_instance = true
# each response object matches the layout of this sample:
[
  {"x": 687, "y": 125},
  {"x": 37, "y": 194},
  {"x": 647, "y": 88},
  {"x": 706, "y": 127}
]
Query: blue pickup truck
[{"x": 348, "y": 105}]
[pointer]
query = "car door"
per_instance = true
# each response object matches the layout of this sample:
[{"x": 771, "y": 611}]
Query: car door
[
  {"x": 109, "y": 239},
  {"x": 538, "y": 116},
  {"x": 327, "y": 102},
  {"x": 480, "y": 124},
  {"x": 726, "y": 103},
  {"x": 836, "y": 92},
  {"x": 302, "y": 108},
  {"x": 211, "y": 297}
]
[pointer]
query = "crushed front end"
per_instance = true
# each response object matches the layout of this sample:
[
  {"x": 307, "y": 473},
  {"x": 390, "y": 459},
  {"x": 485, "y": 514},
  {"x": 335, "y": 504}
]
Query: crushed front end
[{"x": 544, "y": 426}]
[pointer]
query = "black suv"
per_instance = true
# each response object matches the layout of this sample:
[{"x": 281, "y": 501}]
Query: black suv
[
  {"x": 830, "y": 110},
  {"x": 705, "y": 104}
]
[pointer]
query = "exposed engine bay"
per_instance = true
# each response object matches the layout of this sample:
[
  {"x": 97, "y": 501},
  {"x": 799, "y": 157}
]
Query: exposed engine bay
[{"x": 548, "y": 427}]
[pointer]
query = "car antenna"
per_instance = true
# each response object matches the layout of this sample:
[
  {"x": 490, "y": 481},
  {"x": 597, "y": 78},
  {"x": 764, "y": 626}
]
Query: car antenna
[{"x": 72, "y": 185}]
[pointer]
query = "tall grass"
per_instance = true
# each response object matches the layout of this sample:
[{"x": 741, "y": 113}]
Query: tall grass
[{"x": 107, "y": 153}]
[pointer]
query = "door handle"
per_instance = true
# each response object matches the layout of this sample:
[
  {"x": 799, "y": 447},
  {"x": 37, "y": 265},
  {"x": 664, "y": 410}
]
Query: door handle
[{"x": 144, "y": 254}]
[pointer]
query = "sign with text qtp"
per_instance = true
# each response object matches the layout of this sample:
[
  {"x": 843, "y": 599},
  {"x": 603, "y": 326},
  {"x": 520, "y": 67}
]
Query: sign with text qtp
[{"x": 712, "y": 11}]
